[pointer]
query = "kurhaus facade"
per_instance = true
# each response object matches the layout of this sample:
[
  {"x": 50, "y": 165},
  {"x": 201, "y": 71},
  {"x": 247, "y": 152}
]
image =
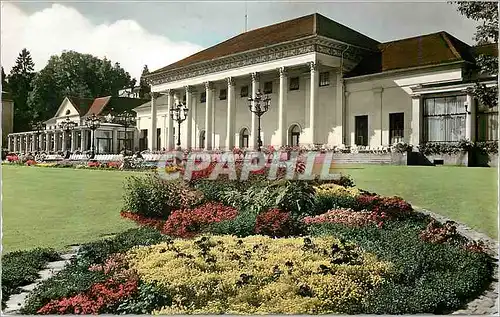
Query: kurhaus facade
[{"x": 328, "y": 85}]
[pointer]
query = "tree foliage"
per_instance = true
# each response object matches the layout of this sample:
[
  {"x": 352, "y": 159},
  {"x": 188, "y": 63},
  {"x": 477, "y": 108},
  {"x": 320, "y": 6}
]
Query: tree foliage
[
  {"x": 5, "y": 86},
  {"x": 78, "y": 75},
  {"x": 19, "y": 79},
  {"x": 487, "y": 32},
  {"x": 145, "y": 89}
]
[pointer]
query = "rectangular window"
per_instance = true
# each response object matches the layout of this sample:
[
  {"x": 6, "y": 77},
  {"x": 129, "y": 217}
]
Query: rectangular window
[
  {"x": 223, "y": 94},
  {"x": 444, "y": 119},
  {"x": 487, "y": 124},
  {"x": 324, "y": 79},
  {"x": 294, "y": 83},
  {"x": 361, "y": 130},
  {"x": 158, "y": 138},
  {"x": 143, "y": 140},
  {"x": 268, "y": 87},
  {"x": 203, "y": 97},
  {"x": 396, "y": 127},
  {"x": 244, "y": 91}
]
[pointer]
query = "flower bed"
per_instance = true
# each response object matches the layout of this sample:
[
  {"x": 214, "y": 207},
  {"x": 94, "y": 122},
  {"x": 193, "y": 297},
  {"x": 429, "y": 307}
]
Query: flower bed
[{"x": 278, "y": 247}]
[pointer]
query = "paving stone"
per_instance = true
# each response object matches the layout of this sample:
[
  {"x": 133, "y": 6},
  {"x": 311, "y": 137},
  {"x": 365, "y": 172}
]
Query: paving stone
[{"x": 29, "y": 288}]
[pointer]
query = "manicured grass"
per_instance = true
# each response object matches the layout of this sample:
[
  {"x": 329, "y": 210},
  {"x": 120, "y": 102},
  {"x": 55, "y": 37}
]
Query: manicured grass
[
  {"x": 53, "y": 207},
  {"x": 57, "y": 207},
  {"x": 468, "y": 195}
]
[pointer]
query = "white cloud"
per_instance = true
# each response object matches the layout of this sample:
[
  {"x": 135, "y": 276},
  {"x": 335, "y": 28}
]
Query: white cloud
[{"x": 52, "y": 30}]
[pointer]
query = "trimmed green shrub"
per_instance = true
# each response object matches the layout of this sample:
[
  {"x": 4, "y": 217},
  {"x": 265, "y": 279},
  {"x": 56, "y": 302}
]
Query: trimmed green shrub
[
  {"x": 428, "y": 278},
  {"x": 21, "y": 268},
  {"x": 241, "y": 226},
  {"x": 148, "y": 298},
  {"x": 153, "y": 197}
]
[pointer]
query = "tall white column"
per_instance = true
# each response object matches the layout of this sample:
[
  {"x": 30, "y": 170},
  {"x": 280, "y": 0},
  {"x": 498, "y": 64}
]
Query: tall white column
[
  {"x": 209, "y": 87},
  {"x": 28, "y": 145},
  {"x": 40, "y": 142},
  {"x": 313, "y": 104},
  {"x": 339, "y": 129},
  {"x": 164, "y": 132},
  {"x": 470, "y": 119},
  {"x": 416, "y": 120},
  {"x": 194, "y": 106},
  {"x": 254, "y": 133},
  {"x": 47, "y": 141},
  {"x": 56, "y": 141},
  {"x": 189, "y": 119},
  {"x": 231, "y": 113},
  {"x": 63, "y": 145},
  {"x": 152, "y": 129},
  {"x": 114, "y": 142},
  {"x": 170, "y": 122},
  {"x": 383, "y": 138},
  {"x": 282, "y": 127},
  {"x": 83, "y": 140},
  {"x": 14, "y": 144},
  {"x": 72, "y": 144}
]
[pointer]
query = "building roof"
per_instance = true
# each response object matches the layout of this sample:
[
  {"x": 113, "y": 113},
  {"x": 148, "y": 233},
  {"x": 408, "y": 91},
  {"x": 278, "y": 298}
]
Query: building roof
[
  {"x": 309, "y": 25},
  {"x": 161, "y": 100},
  {"x": 425, "y": 50},
  {"x": 82, "y": 105},
  {"x": 114, "y": 105}
]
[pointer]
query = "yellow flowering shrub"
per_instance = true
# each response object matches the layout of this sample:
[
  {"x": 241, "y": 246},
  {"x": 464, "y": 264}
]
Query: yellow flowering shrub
[
  {"x": 46, "y": 164},
  {"x": 336, "y": 190},
  {"x": 256, "y": 275}
]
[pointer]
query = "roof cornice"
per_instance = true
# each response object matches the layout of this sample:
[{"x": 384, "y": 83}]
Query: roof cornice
[
  {"x": 404, "y": 70},
  {"x": 308, "y": 44}
]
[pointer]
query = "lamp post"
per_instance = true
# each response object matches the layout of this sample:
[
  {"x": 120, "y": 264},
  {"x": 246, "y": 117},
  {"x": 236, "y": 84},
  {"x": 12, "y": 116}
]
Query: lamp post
[
  {"x": 259, "y": 105},
  {"x": 179, "y": 113},
  {"x": 38, "y": 127},
  {"x": 66, "y": 126},
  {"x": 126, "y": 119},
  {"x": 93, "y": 123}
]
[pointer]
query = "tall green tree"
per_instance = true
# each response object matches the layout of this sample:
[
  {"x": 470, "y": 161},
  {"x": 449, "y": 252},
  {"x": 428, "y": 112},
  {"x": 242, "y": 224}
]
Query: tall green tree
[
  {"x": 486, "y": 32},
  {"x": 77, "y": 75},
  {"x": 5, "y": 86},
  {"x": 20, "y": 79},
  {"x": 145, "y": 89}
]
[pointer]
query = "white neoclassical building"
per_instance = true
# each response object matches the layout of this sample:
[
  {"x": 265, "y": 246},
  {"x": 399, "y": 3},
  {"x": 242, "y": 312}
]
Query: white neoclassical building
[{"x": 328, "y": 84}]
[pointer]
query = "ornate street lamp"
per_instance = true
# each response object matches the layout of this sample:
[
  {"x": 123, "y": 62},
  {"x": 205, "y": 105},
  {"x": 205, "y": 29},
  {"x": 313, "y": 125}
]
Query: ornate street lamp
[
  {"x": 179, "y": 114},
  {"x": 259, "y": 105},
  {"x": 38, "y": 127},
  {"x": 93, "y": 123},
  {"x": 67, "y": 126},
  {"x": 126, "y": 119}
]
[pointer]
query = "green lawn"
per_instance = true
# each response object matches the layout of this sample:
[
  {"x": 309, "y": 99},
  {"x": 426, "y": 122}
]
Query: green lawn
[
  {"x": 464, "y": 194},
  {"x": 56, "y": 207}
]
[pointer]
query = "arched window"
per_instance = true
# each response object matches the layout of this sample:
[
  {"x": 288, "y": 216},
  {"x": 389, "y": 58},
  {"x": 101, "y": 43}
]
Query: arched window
[
  {"x": 202, "y": 139},
  {"x": 294, "y": 135},
  {"x": 244, "y": 134}
]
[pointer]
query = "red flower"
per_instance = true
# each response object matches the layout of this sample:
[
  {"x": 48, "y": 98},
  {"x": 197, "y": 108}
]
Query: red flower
[
  {"x": 274, "y": 222},
  {"x": 187, "y": 223},
  {"x": 143, "y": 221},
  {"x": 94, "y": 301}
]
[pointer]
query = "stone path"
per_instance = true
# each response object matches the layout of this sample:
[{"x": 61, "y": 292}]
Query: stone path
[
  {"x": 488, "y": 302},
  {"x": 16, "y": 301}
]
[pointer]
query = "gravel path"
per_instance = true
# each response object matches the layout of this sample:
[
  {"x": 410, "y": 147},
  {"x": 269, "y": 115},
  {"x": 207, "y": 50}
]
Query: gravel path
[{"x": 16, "y": 301}]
